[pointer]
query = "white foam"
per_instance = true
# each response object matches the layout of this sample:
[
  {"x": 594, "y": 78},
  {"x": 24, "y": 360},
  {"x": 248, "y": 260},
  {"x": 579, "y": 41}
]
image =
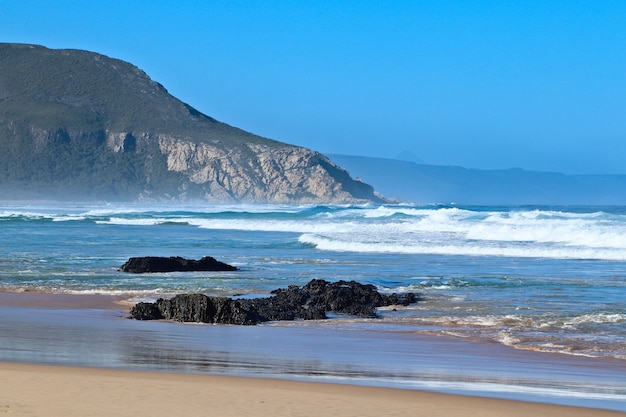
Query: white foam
[
  {"x": 598, "y": 318},
  {"x": 467, "y": 249},
  {"x": 506, "y": 338},
  {"x": 451, "y": 231},
  {"x": 147, "y": 221},
  {"x": 388, "y": 229}
]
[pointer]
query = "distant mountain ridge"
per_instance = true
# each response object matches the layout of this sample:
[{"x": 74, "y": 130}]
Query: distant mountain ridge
[
  {"x": 77, "y": 124},
  {"x": 436, "y": 184}
]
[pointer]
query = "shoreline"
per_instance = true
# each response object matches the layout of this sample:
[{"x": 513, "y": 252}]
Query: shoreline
[
  {"x": 76, "y": 391},
  {"x": 41, "y": 299},
  {"x": 83, "y": 314}
]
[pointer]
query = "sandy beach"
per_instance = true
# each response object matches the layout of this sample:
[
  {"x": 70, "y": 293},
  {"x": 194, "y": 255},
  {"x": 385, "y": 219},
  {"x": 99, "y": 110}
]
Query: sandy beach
[
  {"x": 39, "y": 390},
  {"x": 69, "y": 301},
  {"x": 35, "y": 389}
]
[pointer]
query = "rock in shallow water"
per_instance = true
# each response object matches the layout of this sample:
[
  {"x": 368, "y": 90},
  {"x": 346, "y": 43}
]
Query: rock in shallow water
[
  {"x": 310, "y": 302},
  {"x": 174, "y": 264}
]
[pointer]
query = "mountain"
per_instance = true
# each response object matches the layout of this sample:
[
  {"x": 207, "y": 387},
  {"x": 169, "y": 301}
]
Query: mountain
[
  {"x": 79, "y": 125},
  {"x": 434, "y": 184},
  {"x": 409, "y": 157}
]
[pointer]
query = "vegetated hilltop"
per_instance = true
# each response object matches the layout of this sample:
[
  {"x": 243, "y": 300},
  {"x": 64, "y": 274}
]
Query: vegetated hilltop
[{"x": 79, "y": 125}]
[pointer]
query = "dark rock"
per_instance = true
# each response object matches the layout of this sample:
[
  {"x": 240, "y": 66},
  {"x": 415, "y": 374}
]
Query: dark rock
[
  {"x": 345, "y": 297},
  {"x": 310, "y": 302},
  {"x": 403, "y": 299},
  {"x": 203, "y": 309},
  {"x": 145, "y": 311},
  {"x": 187, "y": 307},
  {"x": 229, "y": 311},
  {"x": 174, "y": 264}
]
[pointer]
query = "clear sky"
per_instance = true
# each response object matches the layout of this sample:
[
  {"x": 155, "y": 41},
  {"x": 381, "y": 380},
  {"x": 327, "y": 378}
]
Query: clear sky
[{"x": 539, "y": 85}]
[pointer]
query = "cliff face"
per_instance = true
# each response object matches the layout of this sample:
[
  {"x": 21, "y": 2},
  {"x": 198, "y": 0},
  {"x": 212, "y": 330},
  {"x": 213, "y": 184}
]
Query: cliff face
[
  {"x": 74, "y": 124},
  {"x": 257, "y": 172}
]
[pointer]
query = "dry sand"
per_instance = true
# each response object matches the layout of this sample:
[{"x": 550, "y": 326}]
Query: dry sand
[{"x": 51, "y": 391}]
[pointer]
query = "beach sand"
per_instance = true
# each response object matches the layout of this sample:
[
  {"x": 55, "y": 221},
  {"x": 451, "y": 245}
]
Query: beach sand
[
  {"x": 43, "y": 390},
  {"x": 71, "y": 301},
  {"x": 40, "y": 390}
]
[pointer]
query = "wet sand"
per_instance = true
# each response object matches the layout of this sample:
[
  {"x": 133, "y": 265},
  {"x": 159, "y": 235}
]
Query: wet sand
[
  {"x": 72, "y": 391},
  {"x": 69, "y": 301},
  {"x": 92, "y": 333}
]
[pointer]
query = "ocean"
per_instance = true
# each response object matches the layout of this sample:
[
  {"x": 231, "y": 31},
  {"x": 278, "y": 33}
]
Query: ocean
[{"x": 502, "y": 281}]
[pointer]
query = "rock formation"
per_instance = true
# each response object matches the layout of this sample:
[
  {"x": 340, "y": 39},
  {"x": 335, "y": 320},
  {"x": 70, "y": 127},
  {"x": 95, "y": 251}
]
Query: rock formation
[
  {"x": 310, "y": 302},
  {"x": 174, "y": 264}
]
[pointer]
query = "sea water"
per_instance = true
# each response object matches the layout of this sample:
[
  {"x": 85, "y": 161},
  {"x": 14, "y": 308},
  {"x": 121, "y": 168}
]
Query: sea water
[{"x": 543, "y": 279}]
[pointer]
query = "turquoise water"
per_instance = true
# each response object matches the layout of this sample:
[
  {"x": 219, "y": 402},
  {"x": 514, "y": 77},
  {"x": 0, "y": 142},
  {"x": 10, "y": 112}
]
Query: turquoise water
[
  {"x": 541, "y": 279},
  {"x": 550, "y": 279}
]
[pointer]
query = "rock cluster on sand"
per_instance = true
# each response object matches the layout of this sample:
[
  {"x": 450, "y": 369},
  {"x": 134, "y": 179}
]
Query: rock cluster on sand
[
  {"x": 309, "y": 302},
  {"x": 174, "y": 264}
]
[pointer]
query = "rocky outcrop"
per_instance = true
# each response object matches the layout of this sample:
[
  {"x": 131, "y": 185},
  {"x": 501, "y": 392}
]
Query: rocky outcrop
[
  {"x": 145, "y": 264},
  {"x": 261, "y": 173},
  {"x": 310, "y": 302}
]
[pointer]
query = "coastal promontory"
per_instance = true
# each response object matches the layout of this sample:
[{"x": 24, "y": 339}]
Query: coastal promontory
[{"x": 80, "y": 125}]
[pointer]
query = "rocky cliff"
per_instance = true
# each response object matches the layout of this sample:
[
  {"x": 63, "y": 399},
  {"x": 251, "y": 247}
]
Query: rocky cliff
[{"x": 76, "y": 124}]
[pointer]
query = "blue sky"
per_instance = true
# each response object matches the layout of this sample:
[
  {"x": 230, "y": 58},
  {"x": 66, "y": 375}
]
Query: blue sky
[{"x": 539, "y": 85}]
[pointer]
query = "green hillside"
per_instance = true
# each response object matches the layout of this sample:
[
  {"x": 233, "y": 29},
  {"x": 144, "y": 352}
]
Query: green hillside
[{"x": 79, "y": 124}]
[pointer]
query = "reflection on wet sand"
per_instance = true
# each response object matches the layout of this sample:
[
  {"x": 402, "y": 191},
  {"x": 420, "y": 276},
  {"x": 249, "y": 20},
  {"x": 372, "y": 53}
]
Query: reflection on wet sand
[{"x": 105, "y": 338}]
